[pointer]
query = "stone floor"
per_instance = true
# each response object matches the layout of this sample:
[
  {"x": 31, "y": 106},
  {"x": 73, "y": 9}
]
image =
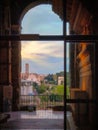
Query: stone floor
[{"x": 37, "y": 120}]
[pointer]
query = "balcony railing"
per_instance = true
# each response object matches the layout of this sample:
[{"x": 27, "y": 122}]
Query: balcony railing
[{"x": 41, "y": 101}]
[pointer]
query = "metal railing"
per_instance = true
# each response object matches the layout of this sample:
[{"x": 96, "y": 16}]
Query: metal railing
[{"x": 41, "y": 101}]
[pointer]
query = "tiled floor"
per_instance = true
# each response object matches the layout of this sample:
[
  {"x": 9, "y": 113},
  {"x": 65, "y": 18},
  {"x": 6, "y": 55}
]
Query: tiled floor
[
  {"x": 39, "y": 114},
  {"x": 37, "y": 120}
]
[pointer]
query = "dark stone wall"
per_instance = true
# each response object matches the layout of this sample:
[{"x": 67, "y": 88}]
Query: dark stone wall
[{"x": 16, "y": 68}]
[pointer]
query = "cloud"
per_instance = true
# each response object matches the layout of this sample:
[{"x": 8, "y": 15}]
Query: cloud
[
  {"x": 47, "y": 56},
  {"x": 41, "y": 50}
]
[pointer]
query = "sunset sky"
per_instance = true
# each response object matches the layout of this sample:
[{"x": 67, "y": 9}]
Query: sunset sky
[{"x": 44, "y": 57}]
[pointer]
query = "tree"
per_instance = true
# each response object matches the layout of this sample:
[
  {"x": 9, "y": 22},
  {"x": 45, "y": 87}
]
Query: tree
[
  {"x": 51, "y": 79},
  {"x": 35, "y": 85},
  {"x": 59, "y": 90},
  {"x": 42, "y": 89}
]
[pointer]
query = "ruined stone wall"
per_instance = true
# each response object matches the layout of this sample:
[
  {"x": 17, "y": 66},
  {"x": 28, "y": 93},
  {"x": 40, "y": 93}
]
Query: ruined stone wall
[
  {"x": 5, "y": 51},
  {"x": 82, "y": 25}
]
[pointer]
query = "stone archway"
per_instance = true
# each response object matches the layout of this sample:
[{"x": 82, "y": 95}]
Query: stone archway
[{"x": 16, "y": 46}]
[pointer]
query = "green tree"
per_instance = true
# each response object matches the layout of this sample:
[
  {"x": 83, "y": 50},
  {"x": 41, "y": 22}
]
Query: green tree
[
  {"x": 59, "y": 90},
  {"x": 36, "y": 86},
  {"x": 42, "y": 89}
]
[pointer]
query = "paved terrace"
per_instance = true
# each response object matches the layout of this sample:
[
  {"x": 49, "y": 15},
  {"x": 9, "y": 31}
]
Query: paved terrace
[{"x": 36, "y": 120}]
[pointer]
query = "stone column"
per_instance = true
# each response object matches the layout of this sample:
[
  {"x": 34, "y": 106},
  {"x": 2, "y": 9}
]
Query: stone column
[{"x": 16, "y": 67}]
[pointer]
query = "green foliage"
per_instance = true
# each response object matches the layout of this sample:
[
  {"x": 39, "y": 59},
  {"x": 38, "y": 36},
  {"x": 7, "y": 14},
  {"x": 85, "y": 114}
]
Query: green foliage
[
  {"x": 52, "y": 79},
  {"x": 36, "y": 86},
  {"x": 55, "y": 97},
  {"x": 67, "y": 78},
  {"x": 67, "y": 91},
  {"x": 60, "y": 73},
  {"x": 42, "y": 89},
  {"x": 49, "y": 77},
  {"x": 44, "y": 98},
  {"x": 59, "y": 89},
  {"x": 55, "y": 77}
]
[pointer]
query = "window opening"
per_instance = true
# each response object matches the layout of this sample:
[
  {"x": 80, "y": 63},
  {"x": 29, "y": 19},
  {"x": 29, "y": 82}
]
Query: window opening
[
  {"x": 46, "y": 21},
  {"x": 46, "y": 58}
]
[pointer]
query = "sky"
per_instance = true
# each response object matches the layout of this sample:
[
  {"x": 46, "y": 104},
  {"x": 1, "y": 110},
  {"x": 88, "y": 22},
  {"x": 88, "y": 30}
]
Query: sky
[{"x": 43, "y": 57}]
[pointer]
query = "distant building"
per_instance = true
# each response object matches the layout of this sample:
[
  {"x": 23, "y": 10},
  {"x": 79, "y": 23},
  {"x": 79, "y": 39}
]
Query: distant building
[
  {"x": 34, "y": 77},
  {"x": 27, "y": 80},
  {"x": 61, "y": 80},
  {"x": 27, "y": 68},
  {"x": 27, "y": 87}
]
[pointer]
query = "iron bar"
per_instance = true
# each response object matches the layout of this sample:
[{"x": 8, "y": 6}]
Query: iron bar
[{"x": 32, "y": 37}]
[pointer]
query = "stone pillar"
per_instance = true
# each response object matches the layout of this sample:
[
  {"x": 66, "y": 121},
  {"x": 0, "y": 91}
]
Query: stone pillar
[
  {"x": 5, "y": 56},
  {"x": 84, "y": 64},
  {"x": 1, "y": 18},
  {"x": 74, "y": 76},
  {"x": 86, "y": 71},
  {"x": 16, "y": 67}
]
